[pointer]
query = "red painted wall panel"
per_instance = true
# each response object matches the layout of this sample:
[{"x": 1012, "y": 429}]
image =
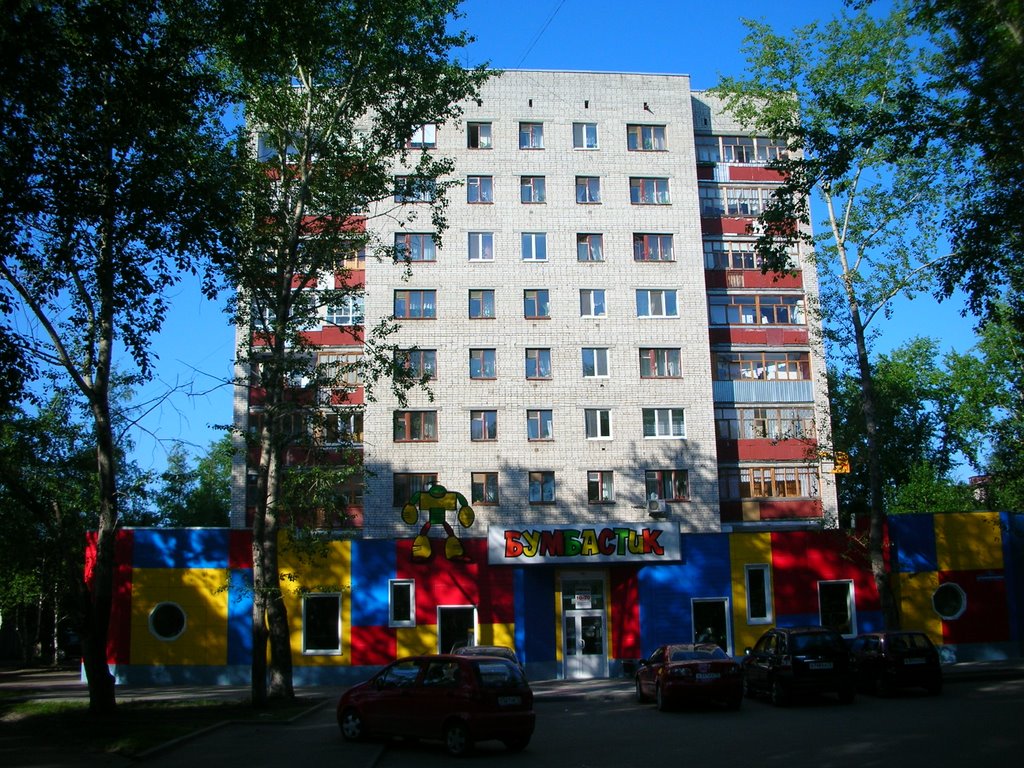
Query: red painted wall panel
[
  {"x": 985, "y": 618},
  {"x": 625, "y": 613},
  {"x": 373, "y": 646},
  {"x": 801, "y": 559}
]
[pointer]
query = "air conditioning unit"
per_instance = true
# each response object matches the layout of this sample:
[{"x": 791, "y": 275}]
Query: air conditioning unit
[{"x": 657, "y": 508}]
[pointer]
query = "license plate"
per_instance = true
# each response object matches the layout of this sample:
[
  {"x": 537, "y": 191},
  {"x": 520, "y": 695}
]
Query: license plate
[
  {"x": 703, "y": 676},
  {"x": 509, "y": 701},
  {"x": 913, "y": 661},
  {"x": 820, "y": 665}
]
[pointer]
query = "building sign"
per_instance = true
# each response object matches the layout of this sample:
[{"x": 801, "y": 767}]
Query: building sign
[{"x": 583, "y": 544}]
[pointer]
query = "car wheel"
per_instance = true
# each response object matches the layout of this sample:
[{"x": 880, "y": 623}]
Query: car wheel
[
  {"x": 659, "y": 696},
  {"x": 779, "y": 694},
  {"x": 456, "y": 739},
  {"x": 351, "y": 724},
  {"x": 748, "y": 690},
  {"x": 640, "y": 698},
  {"x": 516, "y": 745}
]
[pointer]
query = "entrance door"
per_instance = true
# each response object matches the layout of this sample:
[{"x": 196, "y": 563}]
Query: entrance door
[
  {"x": 456, "y": 626},
  {"x": 711, "y": 621},
  {"x": 585, "y": 640},
  {"x": 584, "y": 625}
]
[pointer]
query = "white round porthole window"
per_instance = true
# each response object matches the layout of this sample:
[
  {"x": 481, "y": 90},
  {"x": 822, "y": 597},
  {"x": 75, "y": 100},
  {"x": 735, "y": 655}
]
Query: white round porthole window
[
  {"x": 167, "y": 621},
  {"x": 949, "y": 601}
]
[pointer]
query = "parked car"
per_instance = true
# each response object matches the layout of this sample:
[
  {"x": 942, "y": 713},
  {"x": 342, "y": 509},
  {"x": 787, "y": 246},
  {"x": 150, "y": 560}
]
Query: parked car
[
  {"x": 458, "y": 700},
  {"x": 790, "y": 660},
  {"x": 885, "y": 661},
  {"x": 502, "y": 651},
  {"x": 689, "y": 672}
]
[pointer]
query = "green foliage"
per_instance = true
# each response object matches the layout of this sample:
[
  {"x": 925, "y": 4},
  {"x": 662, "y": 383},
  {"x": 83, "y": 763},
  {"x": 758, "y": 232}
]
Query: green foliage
[{"x": 197, "y": 496}]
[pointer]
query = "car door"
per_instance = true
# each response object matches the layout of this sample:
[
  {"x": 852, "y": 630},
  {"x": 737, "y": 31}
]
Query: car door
[
  {"x": 391, "y": 707},
  {"x": 758, "y": 666},
  {"x": 647, "y": 675},
  {"x": 440, "y": 692}
]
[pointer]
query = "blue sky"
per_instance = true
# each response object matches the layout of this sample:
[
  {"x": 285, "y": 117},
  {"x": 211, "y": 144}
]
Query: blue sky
[{"x": 700, "y": 39}]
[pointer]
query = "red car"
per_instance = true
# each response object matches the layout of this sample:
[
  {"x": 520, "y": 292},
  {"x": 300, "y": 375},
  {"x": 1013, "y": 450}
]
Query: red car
[
  {"x": 458, "y": 700},
  {"x": 690, "y": 672}
]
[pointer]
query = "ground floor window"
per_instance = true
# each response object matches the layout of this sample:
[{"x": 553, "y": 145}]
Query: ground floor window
[
  {"x": 402, "y": 603},
  {"x": 759, "y": 593},
  {"x": 321, "y": 624}
]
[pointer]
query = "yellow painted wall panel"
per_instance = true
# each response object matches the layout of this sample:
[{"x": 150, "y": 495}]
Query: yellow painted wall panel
[
  {"x": 323, "y": 567},
  {"x": 746, "y": 549},
  {"x": 496, "y": 634},
  {"x": 916, "y": 611},
  {"x": 967, "y": 542},
  {"x": 412, "y": 641},
  {"x": 199, "y": 594}
]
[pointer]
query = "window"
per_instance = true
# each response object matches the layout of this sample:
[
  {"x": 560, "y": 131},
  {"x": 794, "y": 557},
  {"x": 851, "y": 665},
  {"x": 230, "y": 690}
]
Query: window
[
  {"x": 588, "y": 189},
  {"x": 949, "y": 601},
  {"x": 483, "y": 426},
  {"x": 598, "y": 423},
  {"x": 531, "y": 136},
  {"x": 648, "y": 191},
  {"x": 584, "y": 135},
  {"x": 756, "y": 309},
  {"x": 730, "y": 255},
  {"x": 415, "y": 247},
  {"x": 660, "y": 363},
  {"x": 535, "y": 304},
  {"x": 758, "y": 580},
  {"x": 410, "y": 189},
  {"x": 535, "y": 246},
  {"x": 592, "y": 303},
  {"x": 478, "y": 136},
  {"x": 321, "y": 624},
  {"x": 340, "y": 369},
  {"x": 531, "y": 189},
  {"x": 778, "y": 482},
  {"x": 589, "y": 247},
  {"x": 600, "y": 488},
  {"x": 424, "y": 137},
  {"x": 737, "y": 149},
  {"x": 481, "y": 246},
  {"x": 707, "y": 149},
  {"x": 655, "y": 303},
  {"x": 539, "y": 425},
  {"x": 349, "y": 311},
  {"x": 419, "y": 364},
  {"x": 645, "y": 138},
  {"x": 415, "y": 426},
  {"x": 664, "y": 422},
  {"x": 415, "y": 305},
  {"x": 764, "y": 366},
  {"x": 482, "y": 364},
  {"x": 595, "y": 362},
  {"x": 401, "y": 603},
  {"x": 667, "y": 484},
  {"x": 542, "y": 487},
  {"x": 481, "y": 304},
  {"x": 479, "y": 189},
  {"x": 712, "y": 201},
  {"x": 538, "y": 363},
  {"x": 343, "y": 428},
  {"x": 405, "y": 485},
  {"x": 167, "y": 621},
  {"x": 484, "y": 488},
  {"x": 764, "y": 423},
  {"x": 652, "y": 247},
  {"x": 769, "y": 150}
]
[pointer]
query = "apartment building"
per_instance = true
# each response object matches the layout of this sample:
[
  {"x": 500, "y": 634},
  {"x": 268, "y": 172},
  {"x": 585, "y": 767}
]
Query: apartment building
[{"x": 611, "y": 375}]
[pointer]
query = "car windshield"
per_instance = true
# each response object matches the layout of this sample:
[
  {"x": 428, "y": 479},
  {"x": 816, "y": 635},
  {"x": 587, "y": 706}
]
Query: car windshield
[
  {"x": 500, "y": 674},
  {"x": 817, "y": 642},
  {"x": 696, "y": 654},
  {"x": 907, "y": 642}
]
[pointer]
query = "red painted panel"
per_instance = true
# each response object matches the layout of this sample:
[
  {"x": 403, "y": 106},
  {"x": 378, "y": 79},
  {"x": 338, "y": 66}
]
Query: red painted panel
[
  {"x": 985, "y": 618},
  {"x": 730, "y": 511},
  {"x": 119, "y": 629},
  {"x": 440, "y": 581},
  {"x": 754, "y": 278},
  {"x": 759, "y": 335},
  {"x": 782, "y": 509},
  {"x": 373, "y": 646},
  {"x": 800, "y": 559},
  {"x": 240, "y": 548},
  {"x": 625, "y": 613},
  {"x": 354, "y": 279},
  {"x": 754, "y": 173},
  {"x": 765, "y": 450},
  {"x": 337, "y": 336},
  {"x": 706, "y": 172},
  {"x": 723, "y": 226}
]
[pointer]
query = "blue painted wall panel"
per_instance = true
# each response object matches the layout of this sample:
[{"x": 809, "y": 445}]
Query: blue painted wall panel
[
  {"x": 240, "y": 617},
  {"x": 914, "y": 537},
  {"x": 180, "y": 548},
  {"x": 374, "y": 564}
]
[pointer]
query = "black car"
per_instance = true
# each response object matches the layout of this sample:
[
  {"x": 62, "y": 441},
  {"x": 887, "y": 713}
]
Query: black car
[
  {"x": 885, "y": 661},
  {"x": 793, "y": 660}
]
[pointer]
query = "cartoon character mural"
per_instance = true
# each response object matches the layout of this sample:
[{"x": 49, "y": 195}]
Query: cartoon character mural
[{"x": 435, "y": 503}]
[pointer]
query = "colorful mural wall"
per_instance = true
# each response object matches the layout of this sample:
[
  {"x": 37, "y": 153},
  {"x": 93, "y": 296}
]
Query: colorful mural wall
[{"x": 183, "y": 608}]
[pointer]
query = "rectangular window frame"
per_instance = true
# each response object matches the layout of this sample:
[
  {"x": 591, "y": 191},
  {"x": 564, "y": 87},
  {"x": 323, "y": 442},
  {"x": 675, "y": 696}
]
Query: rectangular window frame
[
  {"x": 410, "y": 189},
  {"x": 478, "y": 135},
  {"x": 421, "y": 364},
  {"x": 401, "y": 602},
  {"x": 600, "y": 486},
  {"x": 483, "y": 425},
  {"x": 423, "y": 137},
  {"x": 657, "y": 303},
  {"x": 416, "y": 247},
  {"x": 420, "y": 304},
  {"x": 479, "y": 190},
  {"x": 321, "y": 623},
  {"x": 484, "y": 489},
  {"x": 646, "y": 137},
  {"x": 540, "y": 425},
  {"x": 664, "y": 423},
  {"x": 597, "y": 423},
  {"x": 590, "y": 247},
  {"x": 757, "y": 580},
  {"x": 658, "y": 363},
  {"x": 593, "y": 302},
  {"x": 762, "y": 365},
  {"x": 485, "y": 360},
  {"x": 541, "y": 487},
  {"x": 584, "y": 136},
  {"x": 414, "y": 426},
  {"x": 538, "y": 364},
  {"x": 599, "y": 357},
  {"x": 531, "y": 135},
  {"x": 534, "y": 246},
  {"x": 532, "y": 190},
  {"x": 349, "y": 311},
  {"x": 652, "y": 247},
  {"x": 665, "y": 484},
  {"x": 481, "y": 304},
  {"x": 480, "y": 246},
  {"x": 649, "y": 190},
  {"x": 536, "y": 304},
  {"x": 588, "y": 190},
  {"x": 405, "y": 485}
]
